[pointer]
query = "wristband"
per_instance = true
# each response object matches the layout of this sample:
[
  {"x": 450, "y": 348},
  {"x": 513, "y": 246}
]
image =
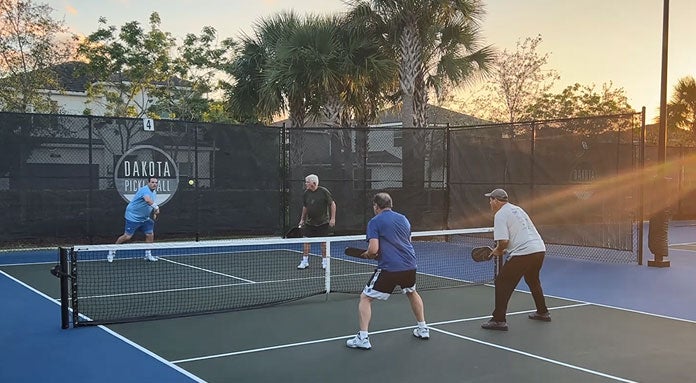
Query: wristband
[{"x": 154, "y": 206}]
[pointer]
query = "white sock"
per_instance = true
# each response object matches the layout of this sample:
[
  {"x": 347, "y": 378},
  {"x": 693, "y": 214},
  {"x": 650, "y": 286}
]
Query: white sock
[
  {"x": 362, "y": 334},
  {"x": 148, "y": 253},
  {"x": 422, "y": 324},
  {"x": 305, "y": 258}
]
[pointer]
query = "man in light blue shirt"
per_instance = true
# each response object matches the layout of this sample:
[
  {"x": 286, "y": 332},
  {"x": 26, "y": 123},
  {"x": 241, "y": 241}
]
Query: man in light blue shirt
[{"x": 141, "y": 213}]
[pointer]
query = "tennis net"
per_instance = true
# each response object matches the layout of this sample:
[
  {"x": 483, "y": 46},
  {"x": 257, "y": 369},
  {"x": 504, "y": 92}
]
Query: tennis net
[{"x": 192, "y": 278}]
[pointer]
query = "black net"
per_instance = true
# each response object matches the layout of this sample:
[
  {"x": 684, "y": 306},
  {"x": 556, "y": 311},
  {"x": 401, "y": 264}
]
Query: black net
[{"x": 191, "y": 278}]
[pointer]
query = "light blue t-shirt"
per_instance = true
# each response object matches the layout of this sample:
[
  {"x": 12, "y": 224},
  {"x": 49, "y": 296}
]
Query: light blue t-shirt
[
  {"x": 138, "y": 210},
  {"x": 393, "y": 230}
]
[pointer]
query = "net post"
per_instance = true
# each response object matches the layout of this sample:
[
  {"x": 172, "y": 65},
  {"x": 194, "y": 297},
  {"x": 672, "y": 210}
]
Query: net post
[
  {"x": 64, "y": 279},
  {"x": 73, "y": 287},
  {"x": 327, "y": 272}
]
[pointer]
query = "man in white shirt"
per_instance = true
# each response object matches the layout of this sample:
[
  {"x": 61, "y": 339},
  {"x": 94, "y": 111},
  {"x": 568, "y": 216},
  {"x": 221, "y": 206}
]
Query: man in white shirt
[{"x": 515, "y": 234}]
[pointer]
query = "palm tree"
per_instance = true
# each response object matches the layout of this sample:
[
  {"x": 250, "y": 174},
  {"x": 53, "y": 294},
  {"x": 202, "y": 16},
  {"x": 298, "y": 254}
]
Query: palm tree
[
  {"x": 252, "y": 97},
  {"x": 337, "y": 71},
  {"x": 681, "y": 109},
  {"x": 436, "y": 43},
  {"x": 309, "y": 67},
  {"x": 370, "y": 75}
]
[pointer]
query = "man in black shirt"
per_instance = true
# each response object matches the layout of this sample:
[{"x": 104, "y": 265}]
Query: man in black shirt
[{"x": 318, "y": 214}]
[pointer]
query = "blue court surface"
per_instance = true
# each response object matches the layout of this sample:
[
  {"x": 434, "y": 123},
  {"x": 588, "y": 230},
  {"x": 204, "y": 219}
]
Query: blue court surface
[{"x": 611, "y": 322}]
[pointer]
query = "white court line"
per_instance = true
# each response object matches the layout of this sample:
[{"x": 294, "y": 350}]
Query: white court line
[
  {"x": 534, "y": 356},
  {"x": 431, "y": 325},
  {"x": 195, "y": 359},
  {"x": 126, "y": 340},
  {"x": 206, "y": 270}
]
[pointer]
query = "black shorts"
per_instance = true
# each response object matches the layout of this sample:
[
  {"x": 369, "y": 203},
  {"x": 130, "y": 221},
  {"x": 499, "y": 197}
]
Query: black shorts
[
  {"x": 382, "y": 283},
  {"x": 316, "y": 231}
]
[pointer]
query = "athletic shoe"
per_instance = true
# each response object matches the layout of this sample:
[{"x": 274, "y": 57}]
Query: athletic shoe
[
  {"x": 493, "y": 325},
  {"x": 356, "y": 342},
  {"x": 546, "y": 317},
  {"x": 150, "y": 258},
  {"x": 303, "y": 265},
  {"x": 422, "y": 333},
  {"x": 323, "y": 263},
  {"x": 110, "y": 257}
]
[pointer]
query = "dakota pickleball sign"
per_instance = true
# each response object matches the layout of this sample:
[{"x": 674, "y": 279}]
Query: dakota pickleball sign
[{"x": 136, "y": 166}]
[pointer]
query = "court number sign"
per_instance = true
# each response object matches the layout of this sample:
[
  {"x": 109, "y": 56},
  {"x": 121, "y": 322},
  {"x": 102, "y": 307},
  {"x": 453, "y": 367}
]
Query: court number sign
[
  {"x": 148, "y": 125},
  {"x": 137, "y": 165}
]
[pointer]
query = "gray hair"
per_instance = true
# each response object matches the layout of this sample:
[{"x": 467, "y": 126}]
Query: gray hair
[
  {"x": 382, "y": 200},
  {"x": 313, "y": 178}
]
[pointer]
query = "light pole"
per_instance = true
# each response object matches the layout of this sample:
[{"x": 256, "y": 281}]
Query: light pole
[{"x": 659, "y": 222}]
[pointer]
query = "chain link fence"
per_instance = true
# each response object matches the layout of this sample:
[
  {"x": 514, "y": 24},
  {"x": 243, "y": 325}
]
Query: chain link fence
[{"x": 62, "y": 177}]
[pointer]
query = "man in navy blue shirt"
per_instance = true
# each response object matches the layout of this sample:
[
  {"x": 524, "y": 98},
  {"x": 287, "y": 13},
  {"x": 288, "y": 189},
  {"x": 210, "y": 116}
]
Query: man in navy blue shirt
[{"x": 389, "y": 241}]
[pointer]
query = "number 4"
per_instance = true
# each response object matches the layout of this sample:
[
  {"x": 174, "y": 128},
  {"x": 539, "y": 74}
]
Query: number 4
[{"x": 148, "y": 125}]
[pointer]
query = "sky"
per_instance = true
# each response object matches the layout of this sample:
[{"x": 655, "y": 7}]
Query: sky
[{"x": 589, "y": 41}]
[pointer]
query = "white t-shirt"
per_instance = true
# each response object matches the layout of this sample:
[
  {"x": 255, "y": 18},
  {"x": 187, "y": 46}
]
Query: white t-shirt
[{"x": 511, "y": 223}]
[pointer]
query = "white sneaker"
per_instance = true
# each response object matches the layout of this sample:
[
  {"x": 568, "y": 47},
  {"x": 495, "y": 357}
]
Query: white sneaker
[
  {"x": 110, "y": 257},
  {"x": 303, "y": 265},
  {"x": 150, "y": 258},
  {"x": 356, "y": 342},
  {"x": 422, "y": 333},
  {"x": 323, "y": 263}
]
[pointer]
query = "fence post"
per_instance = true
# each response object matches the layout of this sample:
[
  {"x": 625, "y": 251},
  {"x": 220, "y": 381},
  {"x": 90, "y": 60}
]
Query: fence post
[
  {"x": 531, "y": 170},
  {"x": 90, "y": 191}
]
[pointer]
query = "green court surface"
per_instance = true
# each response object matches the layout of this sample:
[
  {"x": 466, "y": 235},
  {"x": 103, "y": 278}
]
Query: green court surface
[{"x": 304, "y": 341}]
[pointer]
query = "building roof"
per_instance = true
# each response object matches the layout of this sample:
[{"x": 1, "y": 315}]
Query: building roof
[
  {"x": 382, "y": 157},
  {"x": 436, "y": 116},
  {"x": 72, "y": 77}
]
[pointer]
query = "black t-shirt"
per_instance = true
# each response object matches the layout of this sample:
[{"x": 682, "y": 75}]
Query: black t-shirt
[{"x": 318, "y": 204}]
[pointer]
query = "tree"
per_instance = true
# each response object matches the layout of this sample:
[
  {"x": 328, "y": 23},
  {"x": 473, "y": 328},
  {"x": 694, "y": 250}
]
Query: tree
[
  {"x": 435, "y": 42},
  {"x": 31, "y": 43},
  {"x": 368, "y": 75},
  {"x": 309, "y": 67},
  {"x": 681, "y": 108},
  {"x": 199, "y": 63},
  {"x": 251, "y": 99},
  {"x": 584, "y": 101},
  {"x": 134, "y": 73},
  {"x": 126, "y": 65},
  {"x": 436, "y": 45},
  {"x": 580, "y": 101},
  {"x": 517, "y": 80}
]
